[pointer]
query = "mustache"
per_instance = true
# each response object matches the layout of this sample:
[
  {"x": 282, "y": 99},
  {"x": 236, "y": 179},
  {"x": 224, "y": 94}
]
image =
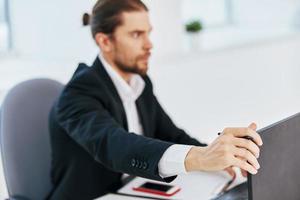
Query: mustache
[{"x": 146, "y": 55}]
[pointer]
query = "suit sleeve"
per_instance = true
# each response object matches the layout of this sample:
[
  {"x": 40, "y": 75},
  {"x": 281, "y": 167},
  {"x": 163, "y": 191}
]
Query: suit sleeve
[{"x": 86, "y": 120}]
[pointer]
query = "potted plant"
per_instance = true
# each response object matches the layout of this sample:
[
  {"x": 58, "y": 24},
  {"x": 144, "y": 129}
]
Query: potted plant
[{"x": 194, "y": 28}]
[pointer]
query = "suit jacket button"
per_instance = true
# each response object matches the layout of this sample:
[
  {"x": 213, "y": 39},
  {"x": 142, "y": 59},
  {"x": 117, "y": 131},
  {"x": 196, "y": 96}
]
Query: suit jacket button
[
  {"x": 133, "y": 162},
  {"x": 145, "y": 165},
  {"x": 137, "y": 164},
  {"x": 141, "y": 165}
]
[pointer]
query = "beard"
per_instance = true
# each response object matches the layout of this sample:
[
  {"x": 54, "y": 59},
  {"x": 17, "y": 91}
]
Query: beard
[{"x": 133, "y": 68}]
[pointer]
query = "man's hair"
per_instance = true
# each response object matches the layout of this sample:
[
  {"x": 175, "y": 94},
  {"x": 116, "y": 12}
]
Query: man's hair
[{"x": 106, "y": 15}]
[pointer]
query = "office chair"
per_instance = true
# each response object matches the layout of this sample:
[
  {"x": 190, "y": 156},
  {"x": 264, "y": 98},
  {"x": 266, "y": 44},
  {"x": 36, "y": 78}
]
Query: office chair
[{"x": 25, "y": 142}]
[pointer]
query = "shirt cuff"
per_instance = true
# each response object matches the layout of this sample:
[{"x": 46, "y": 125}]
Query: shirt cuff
[{"x": 172, "y": 161}]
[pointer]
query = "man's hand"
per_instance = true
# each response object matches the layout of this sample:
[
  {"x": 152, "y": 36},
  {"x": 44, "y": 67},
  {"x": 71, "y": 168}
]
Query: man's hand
[{"x": 229, "y": 149}]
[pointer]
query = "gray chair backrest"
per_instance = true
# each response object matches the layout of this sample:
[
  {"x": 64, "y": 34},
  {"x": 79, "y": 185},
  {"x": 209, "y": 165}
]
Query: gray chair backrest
[{"x": 25, "y": 142}]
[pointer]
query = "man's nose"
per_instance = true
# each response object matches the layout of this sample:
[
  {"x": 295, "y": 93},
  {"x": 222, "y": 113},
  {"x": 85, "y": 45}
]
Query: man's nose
[{"x": 147, "y": 43}]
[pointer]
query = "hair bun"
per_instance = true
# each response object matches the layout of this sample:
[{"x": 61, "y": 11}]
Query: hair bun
[{"x": 86, "y": 19}]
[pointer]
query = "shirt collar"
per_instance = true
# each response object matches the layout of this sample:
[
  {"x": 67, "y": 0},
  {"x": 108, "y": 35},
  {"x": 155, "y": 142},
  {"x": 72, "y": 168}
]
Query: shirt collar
[{"x": 127, "y": 92}]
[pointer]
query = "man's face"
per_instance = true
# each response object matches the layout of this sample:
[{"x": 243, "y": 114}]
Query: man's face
[{"x": 131, "y": 44}]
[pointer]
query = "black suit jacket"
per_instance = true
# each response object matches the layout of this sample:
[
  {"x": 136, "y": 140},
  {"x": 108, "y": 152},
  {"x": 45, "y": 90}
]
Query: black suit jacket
[{"x": 91, "y": 146}]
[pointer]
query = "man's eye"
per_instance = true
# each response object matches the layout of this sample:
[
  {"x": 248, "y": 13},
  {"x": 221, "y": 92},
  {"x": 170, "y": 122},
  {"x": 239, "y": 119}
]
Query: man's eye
[{"x": 136, "y": 35}]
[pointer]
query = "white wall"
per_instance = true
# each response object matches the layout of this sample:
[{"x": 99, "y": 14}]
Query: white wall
[
  {"x": 52, "y": 29},
  {"x": 168, "y": 30},
  {"x": 265, "y": 13},
  {"x": 206, "y": 92}
]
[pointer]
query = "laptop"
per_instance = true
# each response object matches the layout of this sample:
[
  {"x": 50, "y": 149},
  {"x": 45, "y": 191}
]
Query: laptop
[{"x": 279, "y": 175}]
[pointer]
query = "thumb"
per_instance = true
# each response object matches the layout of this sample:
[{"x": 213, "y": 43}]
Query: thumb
[{"x": 253, "y": 126}]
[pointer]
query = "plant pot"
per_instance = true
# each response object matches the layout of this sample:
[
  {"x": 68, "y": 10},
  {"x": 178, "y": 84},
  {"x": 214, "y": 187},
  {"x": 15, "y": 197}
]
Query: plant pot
[{"x": 194, "y": 41}]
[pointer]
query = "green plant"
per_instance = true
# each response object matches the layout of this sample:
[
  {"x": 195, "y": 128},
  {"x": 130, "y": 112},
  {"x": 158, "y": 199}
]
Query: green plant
[{"x": 194, "y": 26}]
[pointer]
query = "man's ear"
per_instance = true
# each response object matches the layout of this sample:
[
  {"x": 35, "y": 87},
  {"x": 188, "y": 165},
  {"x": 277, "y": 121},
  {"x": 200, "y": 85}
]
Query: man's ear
[{"x": 104, "y": 42}]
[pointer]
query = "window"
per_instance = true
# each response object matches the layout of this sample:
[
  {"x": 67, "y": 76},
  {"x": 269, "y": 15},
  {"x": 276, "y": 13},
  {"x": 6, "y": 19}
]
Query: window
[
  {"x": 229, "y": 23},
  {"x": 5, "y": 42},
  {"x": 212, "y": 13},
  {"x": 268, "y": 13}
]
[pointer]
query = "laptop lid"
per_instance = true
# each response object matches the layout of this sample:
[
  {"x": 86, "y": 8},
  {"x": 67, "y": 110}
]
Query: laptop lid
[{"x": 279, "y": 176}]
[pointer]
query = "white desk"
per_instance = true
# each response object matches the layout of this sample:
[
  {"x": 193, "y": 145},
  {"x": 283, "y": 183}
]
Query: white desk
[
  {"x": 194, "y": 186},
  {"x": 118, "y": 197}
]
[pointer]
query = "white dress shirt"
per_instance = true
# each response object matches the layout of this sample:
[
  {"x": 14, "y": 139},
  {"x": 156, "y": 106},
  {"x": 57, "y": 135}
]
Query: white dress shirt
[{"x": 172, "y": 161}]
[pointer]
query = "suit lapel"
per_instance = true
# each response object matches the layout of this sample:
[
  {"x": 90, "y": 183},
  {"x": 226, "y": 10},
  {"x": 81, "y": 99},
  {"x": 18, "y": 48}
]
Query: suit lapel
[
  {"x": 142, "y": 111},
  {"x": 140, "y": 102},
  {"x": 99, "y": 68}
]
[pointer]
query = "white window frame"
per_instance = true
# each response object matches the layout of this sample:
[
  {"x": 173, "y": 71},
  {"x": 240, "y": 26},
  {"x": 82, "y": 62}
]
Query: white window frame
[
  {"x": 228, "y": 16},
  {"x": 233, "y": 31}
]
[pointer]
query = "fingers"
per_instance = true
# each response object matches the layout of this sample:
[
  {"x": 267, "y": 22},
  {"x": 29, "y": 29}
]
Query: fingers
[
  {"x": 253, "y": 126},
  {"x": 241, "y": 146},
  {"x": 255, "y": 136},
  {"x": 244, "y": 173},
  {"x": 246, "y": 156},
  {"x": 244, "y": 132},
  {"x": 247, "y": 144},
  {"x": 231, "y": 172},
  {"x": 244, "y": 165}
]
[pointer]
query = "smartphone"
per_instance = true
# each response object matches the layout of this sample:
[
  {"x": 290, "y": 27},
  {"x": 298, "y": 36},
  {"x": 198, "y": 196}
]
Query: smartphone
[{"x": 157, "y": 188}]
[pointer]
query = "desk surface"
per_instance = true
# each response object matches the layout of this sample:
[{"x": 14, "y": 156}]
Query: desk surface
[
  {"x": 118, "y": 197},
  {"x": 193, "y": 186}
]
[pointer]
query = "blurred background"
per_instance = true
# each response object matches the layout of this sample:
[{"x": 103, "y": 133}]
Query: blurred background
[{"x": 215, "y": 63}]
